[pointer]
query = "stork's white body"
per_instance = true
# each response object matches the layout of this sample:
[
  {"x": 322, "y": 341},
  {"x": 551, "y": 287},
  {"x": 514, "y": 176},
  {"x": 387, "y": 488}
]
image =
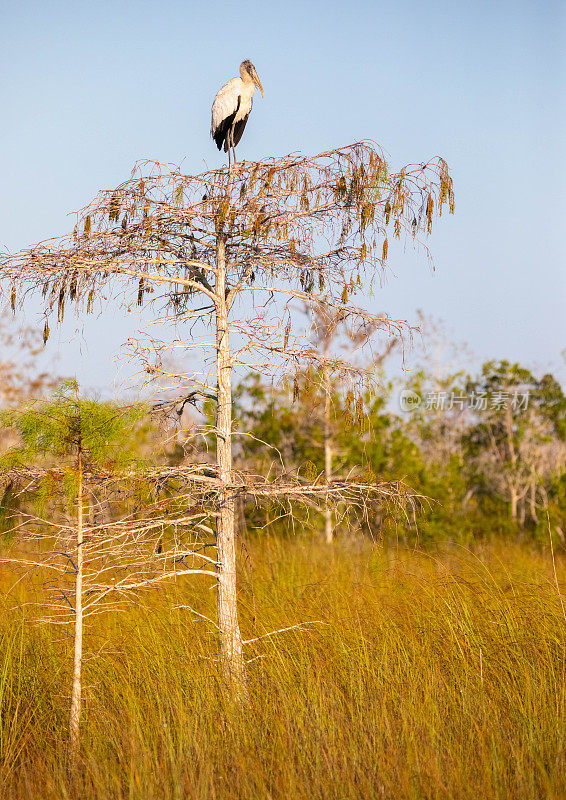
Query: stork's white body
[{"x": 226, "y": 102}]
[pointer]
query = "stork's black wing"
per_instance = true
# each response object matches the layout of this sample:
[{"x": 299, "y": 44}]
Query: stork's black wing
[
  {"x": 239, "y": 129},
  {"x": 223, "y": 127}
]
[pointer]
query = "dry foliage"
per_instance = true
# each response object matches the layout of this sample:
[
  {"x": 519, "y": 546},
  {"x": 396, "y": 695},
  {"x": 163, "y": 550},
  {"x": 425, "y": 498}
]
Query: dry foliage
[
  {"x": 314, "y": 229},
  {"x": 227, "y": 252}
]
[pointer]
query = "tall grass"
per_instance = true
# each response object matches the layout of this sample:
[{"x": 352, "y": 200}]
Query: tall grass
[{"x": 428, "y": 677}]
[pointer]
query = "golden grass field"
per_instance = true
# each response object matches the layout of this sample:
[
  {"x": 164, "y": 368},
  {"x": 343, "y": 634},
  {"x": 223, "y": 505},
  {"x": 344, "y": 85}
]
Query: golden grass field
[{"x": 430, "y": 676}]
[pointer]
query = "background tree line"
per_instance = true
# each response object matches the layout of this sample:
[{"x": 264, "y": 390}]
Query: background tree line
[
  {"x": 497, "y": 468},
  {"x": 486, "y": 451}
]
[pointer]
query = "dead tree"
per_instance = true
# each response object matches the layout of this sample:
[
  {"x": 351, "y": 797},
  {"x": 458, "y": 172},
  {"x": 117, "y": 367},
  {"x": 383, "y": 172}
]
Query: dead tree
[
  {"x": 225, "y": 253},
  {"x": 326, "y": 326},
  {"x": 89, "y": 569},
  {"x": 70, "y": 441}
]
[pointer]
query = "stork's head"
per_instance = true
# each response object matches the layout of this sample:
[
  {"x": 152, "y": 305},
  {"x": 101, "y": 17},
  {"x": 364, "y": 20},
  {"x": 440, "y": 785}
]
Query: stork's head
[{"x": 248, "y": 72}]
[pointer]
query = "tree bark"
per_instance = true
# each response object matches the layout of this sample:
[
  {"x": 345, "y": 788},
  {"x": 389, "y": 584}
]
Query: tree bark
[
  {"x": 533, "y": 498},
  {"x": 328, "y": 529},
  {"x": 512, "y": 454},
  {"x": 75, "y": 716},
  {"x": 231, "y": 651},
  {"x": 514, "y": 504}
]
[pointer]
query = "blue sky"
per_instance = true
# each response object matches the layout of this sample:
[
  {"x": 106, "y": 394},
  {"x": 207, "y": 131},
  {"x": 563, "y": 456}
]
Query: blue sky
[{"x": 89, "y": 88}]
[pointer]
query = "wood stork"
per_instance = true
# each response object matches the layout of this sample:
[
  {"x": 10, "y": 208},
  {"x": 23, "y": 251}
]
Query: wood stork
[{"x": 232, "y": 106}]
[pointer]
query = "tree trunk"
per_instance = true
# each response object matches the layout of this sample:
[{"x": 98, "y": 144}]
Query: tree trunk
[
  {"x": 75, "y": 717},
  {"x": 514, "y": 504},
  {"x": 231, "y": 652},
  {"x": 328, "y": 529},
  {"x": 533, "y": 499},
  {"x": 512, "y": 455}
]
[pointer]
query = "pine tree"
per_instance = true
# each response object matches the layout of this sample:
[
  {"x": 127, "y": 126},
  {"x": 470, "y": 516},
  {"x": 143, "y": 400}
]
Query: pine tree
[{"x": 73, "y": 435}]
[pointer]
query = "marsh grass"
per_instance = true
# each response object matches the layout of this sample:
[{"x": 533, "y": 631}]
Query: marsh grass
[{"x": 430, "y": 676}]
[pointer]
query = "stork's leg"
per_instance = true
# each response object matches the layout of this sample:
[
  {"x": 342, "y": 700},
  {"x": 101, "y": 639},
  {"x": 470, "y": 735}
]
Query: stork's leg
[
  {"x": 232, "y": 142},
  {"x": 229, "y": 154}
]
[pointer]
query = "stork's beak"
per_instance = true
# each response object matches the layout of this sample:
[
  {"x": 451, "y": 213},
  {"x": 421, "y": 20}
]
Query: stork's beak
[{"x": 258, "y": 83}]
